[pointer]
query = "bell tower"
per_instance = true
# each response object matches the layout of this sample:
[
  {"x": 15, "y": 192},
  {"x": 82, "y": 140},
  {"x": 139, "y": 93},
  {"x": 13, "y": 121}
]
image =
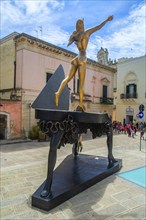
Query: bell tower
[{"x": 102, "y": 56}]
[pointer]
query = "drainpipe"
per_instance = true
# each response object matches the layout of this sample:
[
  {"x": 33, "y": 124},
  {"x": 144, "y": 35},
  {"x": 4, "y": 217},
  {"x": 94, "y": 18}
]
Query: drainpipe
[
  {"x": 15, "y": 72},
  {"x": 15, "y": 66}
]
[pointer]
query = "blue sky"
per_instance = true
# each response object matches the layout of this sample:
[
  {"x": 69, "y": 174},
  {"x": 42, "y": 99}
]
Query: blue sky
[{"x": 54, "y": 21}]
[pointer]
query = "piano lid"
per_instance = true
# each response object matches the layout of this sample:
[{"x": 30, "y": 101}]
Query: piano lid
[{"x": 46, "y": 98}]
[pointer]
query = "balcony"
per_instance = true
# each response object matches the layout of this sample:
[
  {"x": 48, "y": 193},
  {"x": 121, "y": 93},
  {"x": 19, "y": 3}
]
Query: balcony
[
  {"x": 75, "y": 96},
  {"x": 107, "y": 101},
  {"x": 128, "y": 96}
]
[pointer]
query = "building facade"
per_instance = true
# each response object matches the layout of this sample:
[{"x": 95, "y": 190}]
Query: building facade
[
  {"x": 26, "y": 65},
  {"x": 131, "y": 89}
]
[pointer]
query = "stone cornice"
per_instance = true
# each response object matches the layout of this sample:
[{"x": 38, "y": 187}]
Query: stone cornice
[{"x": 58, "y": 50}]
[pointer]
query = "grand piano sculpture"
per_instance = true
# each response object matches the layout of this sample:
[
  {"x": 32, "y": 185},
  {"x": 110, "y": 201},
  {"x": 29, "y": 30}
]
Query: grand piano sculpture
[{"x": 76, "y": 172}]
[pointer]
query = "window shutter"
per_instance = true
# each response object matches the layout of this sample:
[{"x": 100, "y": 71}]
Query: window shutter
[
  {"x": 135, "y": 88},
  {"x": 127, "y": 89}
]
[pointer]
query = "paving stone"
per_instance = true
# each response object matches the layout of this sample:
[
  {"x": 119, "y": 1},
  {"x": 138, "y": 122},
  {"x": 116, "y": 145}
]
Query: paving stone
[
  {"x": 89, "y": 215},
  {"x": 21, "y": 191},
  {"x": 26, "y": 216},
  {"x": 68, "y": 213},
  {"x": 13, "y": 200},
  {"x": 141, "y": 198},
  {"x": 136, "y": 190},
  {"x": 104, "y": 202},
  {"x": 138, "y": 213},
  {"x": 7, "y": 211},
  {"x": 82, "y": 208},
  {"x": 83, "y": 198},
  {"x": 112, "y": 210},
  {"x": 122, "y": 196},
  {"x": 130, "y": 203},
  {"x": 24, "y": 168}
]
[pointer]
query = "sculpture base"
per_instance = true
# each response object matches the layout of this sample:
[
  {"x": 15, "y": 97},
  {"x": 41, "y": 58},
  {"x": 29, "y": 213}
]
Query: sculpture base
[{"x": 72, "y": 176}]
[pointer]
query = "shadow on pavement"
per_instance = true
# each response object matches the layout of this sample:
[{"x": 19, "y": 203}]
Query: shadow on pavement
[{"x": 84, "y": 204}]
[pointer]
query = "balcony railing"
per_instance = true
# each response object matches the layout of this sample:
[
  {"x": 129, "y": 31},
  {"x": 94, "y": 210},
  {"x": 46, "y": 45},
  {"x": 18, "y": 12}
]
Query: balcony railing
[
  {"x": 129, "y": 96},
  {"x": 75, "y": 96},
  {"x": 107, "y": 101}
]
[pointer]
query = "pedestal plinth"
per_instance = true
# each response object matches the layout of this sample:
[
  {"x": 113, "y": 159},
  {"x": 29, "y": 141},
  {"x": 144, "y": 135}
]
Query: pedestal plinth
[{"x": 72, "y": 176}]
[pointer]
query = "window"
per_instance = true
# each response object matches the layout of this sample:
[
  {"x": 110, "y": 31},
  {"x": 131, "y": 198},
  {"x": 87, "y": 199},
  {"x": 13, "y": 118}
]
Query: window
[
  {"x": 131, "y": 90},
  {"x": 104, "y": 91},
  {"x": 48, "y": 76}
]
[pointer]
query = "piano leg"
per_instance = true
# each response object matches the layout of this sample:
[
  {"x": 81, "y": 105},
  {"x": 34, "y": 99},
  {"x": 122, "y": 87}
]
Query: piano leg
[
  {"x": 77, "y": 146},
  {"x": 111, "y": 158},
  {"x": 75, "y": 149},
  {"x": 54, "y": 144}
]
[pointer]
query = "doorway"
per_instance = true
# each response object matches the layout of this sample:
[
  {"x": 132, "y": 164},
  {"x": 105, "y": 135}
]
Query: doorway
[
  {"x": 129, "y": 118},
  {"x": 3, "y": 126}
]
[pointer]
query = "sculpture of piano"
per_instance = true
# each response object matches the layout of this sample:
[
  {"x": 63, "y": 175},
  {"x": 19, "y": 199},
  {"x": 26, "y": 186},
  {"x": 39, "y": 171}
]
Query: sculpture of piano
[{"x": 78, "y": 171}]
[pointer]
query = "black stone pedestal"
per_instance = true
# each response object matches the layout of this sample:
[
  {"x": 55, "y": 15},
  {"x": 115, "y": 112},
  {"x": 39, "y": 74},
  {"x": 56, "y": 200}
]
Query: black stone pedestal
[{"x": 72, "y": 176}]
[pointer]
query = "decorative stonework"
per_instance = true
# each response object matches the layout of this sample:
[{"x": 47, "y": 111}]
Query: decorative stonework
[
  {"x": 35, "y": 42},
  {"x": 105, "y": 81}
]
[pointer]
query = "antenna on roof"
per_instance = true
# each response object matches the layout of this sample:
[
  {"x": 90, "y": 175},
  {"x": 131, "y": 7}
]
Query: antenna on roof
[
  {"x": 36, "y": 32},
  {"x": 41, "y": 30}
]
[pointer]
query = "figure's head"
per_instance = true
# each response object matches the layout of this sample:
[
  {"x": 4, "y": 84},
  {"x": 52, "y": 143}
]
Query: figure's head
[{"x": 80, "y": 25}]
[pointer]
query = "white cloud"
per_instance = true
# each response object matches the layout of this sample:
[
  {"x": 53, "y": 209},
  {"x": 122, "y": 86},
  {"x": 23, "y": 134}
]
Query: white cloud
[
  {"x": 27, "y": 13},
  {"x": 10, "y": 13},
  {"x": 129, "y": 38},
  {"x": 56, "y": 35},
  {"x": 122, "y": 37},
  {"x": 57, "y": 4},
  {"x": 31, "y": 7}
]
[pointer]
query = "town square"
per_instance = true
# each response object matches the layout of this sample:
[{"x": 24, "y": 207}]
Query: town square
[{"x": 73, "y": 109}]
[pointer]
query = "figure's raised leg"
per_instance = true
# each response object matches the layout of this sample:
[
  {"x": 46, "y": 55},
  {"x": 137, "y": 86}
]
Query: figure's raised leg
[
  {"x": 54, "y": 143},
  {"x": 82, "y": 73},
  {"x": 109, "y": 132},
  {"x": 65, "y": 81}
]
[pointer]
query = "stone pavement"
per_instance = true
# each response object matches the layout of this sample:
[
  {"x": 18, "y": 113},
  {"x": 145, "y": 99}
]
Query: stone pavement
[{"x": 24, "y": 167}]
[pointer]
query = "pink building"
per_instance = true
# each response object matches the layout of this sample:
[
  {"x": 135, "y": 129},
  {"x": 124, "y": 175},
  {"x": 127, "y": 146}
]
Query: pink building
[
  {"x": 10, "y": 119},
  {"x": 30, "y": 63}
]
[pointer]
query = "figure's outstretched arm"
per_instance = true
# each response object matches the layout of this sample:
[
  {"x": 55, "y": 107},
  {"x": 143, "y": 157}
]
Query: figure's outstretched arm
[
  {"x": 72, "y": 38},
  {"x": 96, "y": 28}
]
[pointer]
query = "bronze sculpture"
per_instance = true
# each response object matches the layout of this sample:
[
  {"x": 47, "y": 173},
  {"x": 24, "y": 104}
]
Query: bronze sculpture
[
  {"x": 80, "y": 37},
  {"x": 77, "y": 172}
]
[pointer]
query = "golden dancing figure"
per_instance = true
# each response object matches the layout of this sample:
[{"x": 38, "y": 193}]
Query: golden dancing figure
[{"x": 81, "y": 38}]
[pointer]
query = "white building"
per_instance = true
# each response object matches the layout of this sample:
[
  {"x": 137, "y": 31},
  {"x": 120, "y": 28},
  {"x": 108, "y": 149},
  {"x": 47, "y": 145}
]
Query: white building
[{"x": 131, "y": 89}]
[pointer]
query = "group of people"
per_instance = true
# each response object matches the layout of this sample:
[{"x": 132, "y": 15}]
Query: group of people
[
  {"x": 129, "y": 128},
  {"x": 118, "y": 127}
]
